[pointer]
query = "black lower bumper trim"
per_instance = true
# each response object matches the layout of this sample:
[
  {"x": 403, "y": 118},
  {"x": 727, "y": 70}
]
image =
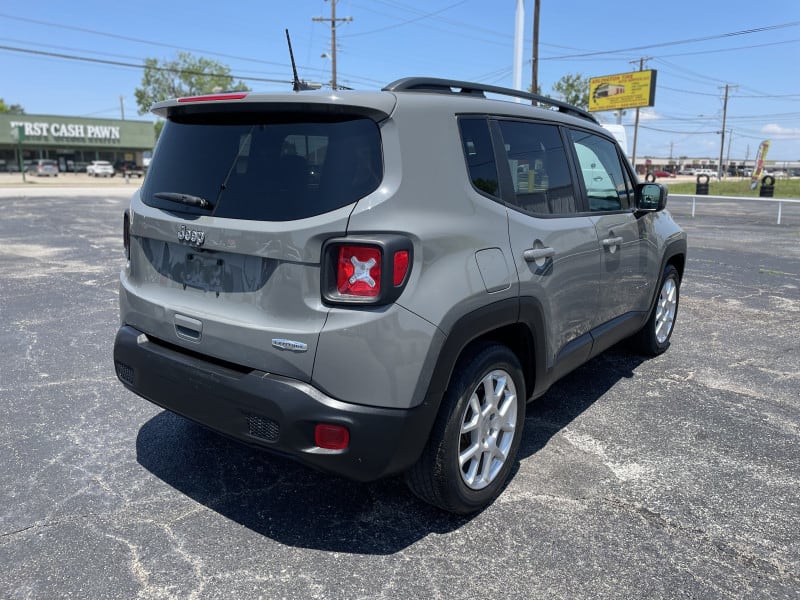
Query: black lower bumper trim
[{"x": 272, "y": 412}]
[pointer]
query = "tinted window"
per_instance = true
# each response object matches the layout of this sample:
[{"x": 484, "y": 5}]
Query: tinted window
[
  {"x": 479, "y": 153},
  {"x": 608, "y": 186},
  {"x": 539, "y": 168},
  {"x": 253, "y": 170}
]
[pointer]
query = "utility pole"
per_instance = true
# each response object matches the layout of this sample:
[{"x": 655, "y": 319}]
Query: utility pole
[
  {"x": 121, "y": 108},
  {"x": 728, "y": 158},
  {"x": 535, "y": 56},
  {"x": 636, "y": 122},
  {"x": 333, "y": 21},
  {"x": 722, "y": 139}
]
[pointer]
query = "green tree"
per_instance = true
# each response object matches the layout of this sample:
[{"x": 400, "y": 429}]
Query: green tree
[
  {"x": 11, "y": 109},
  {"x": 574, "y": 89},
  {"x": 186, "y": 75}
]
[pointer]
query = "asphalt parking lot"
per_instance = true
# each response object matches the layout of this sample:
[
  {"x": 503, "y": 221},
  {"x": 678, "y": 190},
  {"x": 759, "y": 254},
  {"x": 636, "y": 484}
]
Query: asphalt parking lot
[{"x": 672, "y": 477}]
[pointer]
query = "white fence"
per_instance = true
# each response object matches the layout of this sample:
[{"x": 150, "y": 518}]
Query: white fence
[{"x": 779, "y": 201}]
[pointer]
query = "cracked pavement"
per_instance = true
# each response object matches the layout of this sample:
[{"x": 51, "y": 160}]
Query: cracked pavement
[{"x": 671, "y": 477}]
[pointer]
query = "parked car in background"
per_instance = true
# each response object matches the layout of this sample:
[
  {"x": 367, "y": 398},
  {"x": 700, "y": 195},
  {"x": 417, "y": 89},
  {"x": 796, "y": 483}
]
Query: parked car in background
[
  {"x": 663, "y": 174},
  {"x": 43, "y": 167},
  {"x": 129, "y": 168},
  {"x": 686, "y": 171},
  {"x": 100, "y": 168}
]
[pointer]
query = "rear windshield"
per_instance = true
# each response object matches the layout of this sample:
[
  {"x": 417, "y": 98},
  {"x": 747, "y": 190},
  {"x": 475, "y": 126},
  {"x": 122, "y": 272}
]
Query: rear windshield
[{"x": 285, "y": 169}]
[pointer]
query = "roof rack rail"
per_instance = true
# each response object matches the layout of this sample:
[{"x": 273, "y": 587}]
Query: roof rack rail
[{"x": 449, "y": 86}]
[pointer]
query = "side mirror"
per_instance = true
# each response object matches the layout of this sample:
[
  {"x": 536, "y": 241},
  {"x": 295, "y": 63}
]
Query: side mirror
[{"x": 650, "y": 197}]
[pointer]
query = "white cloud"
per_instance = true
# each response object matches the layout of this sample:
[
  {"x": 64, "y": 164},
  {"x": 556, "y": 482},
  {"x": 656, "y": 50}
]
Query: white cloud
[
  {"x": 647, "y": 114},
  {"x": 775, "y": 130}
]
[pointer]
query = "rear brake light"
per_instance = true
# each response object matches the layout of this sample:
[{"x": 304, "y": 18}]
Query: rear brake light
[
  {"x": 366, "y": 269},
  {"x": 358, "y": 272},
  {"x": 331, "y": 437},
  {"x": 211, "y": 97}
]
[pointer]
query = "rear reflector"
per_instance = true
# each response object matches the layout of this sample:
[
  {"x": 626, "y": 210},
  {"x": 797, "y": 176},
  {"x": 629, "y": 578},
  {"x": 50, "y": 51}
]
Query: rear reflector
[
  {"x": 126, "y": 233},
  {"x": 331, "y": 437},
  {"x": 211, "y": 97},
  {"x": 400, "y": 267}
]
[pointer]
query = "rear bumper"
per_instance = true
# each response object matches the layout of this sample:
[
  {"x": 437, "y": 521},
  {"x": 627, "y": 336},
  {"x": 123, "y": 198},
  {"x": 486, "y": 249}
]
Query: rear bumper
[{"x": 271, "y": 412}]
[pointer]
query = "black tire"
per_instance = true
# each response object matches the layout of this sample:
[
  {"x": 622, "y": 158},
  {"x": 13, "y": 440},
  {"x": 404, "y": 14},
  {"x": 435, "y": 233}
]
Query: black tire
[
  {"x": 438, "y": 477},
  {"x": 653, "y": 338}
]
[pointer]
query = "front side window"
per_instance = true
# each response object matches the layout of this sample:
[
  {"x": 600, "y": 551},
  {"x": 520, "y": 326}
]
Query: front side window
[
  {"x": 608, "y": 187},
  {"x": 539, "y": 168},
  {"x": 265, "y": 168}
]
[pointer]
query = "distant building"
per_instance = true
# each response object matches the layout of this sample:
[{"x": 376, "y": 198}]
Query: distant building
[
  {"x": 646, "y": 164},
  {"x": 73, "y": 141}
]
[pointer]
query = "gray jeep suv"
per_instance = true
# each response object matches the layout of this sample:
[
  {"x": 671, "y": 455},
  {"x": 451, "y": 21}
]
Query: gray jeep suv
[{"x": 376, "y": 283}]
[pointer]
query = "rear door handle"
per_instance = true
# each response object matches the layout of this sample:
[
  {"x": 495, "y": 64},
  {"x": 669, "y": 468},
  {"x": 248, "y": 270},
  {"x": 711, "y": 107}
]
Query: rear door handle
[
  {"x": 616, "y": 241},
  {"x": 534, "y": 254}
]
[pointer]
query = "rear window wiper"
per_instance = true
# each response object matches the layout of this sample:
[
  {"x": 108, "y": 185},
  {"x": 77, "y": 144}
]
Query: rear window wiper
[{"x": 184, "y": 199}]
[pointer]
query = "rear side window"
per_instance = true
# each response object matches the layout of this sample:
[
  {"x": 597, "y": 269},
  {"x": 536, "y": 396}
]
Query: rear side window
[
  {"x": 539, "y": 168},
  {"x": 608, "y": 187},
  {"x": 281, "y": 170},
  {"x": 479, "y": 154}
]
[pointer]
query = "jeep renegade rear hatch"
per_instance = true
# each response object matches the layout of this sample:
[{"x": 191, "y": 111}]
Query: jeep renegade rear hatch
[{"x": 227, "y": 231}]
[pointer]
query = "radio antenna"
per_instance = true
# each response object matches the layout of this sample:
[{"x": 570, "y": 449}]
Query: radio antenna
[{"x": 296, "y": 85}]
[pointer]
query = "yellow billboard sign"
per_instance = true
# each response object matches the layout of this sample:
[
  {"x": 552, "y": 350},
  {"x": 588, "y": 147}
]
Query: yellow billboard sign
[{"x": 623, "y": 90}]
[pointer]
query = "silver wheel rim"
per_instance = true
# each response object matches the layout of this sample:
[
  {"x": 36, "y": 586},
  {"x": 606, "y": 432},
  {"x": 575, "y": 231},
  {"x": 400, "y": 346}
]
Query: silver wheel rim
[
  {"x": 487, "y": 429},
  {"x": 665, "y": 309}
]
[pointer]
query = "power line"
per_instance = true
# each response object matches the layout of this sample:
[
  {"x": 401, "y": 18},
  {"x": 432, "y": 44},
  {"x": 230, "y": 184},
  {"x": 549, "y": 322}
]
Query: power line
[
  {"x": 414, "y": 20},
  {"x": 678, "y": 132},
  {"x": 134, "y": 39},
  {"x": 118, "y": 63},
  {"x": 283, "y": 66},
  {"x": 717, "y": 51},
  {"x": 679, "y": 42},
  {"x": 664, "y": 87}
]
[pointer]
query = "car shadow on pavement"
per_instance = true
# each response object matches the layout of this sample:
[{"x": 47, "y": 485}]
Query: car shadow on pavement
[
  {"x": 573, "y": 395},
  {"x": 301, "y": 507},
  {"x": 283, "y": 500}
]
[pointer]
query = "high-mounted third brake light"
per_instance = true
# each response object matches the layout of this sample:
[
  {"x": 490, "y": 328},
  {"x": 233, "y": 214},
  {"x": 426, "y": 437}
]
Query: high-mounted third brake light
[{"x": 211, "y": 97}]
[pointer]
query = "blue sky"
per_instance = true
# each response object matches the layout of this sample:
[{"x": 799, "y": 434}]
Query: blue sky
[{"x": 696, "y": 47}]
